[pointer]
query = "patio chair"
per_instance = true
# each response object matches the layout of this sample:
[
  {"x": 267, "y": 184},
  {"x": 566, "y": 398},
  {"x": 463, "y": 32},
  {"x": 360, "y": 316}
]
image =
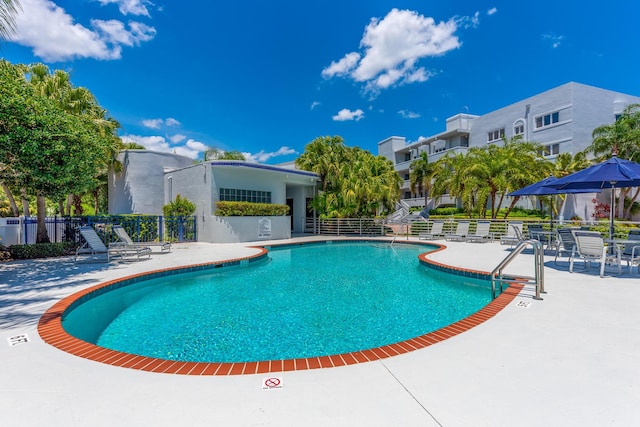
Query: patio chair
[
  {"x": 514, "y": 234},
  {"x": 630, "y": 252},
  {"x": 564, "y": 242},
  {"x": 434, "y": 233},
  {"x": 93, "y": 246},
  {"x": 536, "y": 232},
  {"x": 462, "y": 229},
  {"x": 482, "y": 233},
  {"x": 124, "y": 237},
  {"x": 590, "y": 247}
]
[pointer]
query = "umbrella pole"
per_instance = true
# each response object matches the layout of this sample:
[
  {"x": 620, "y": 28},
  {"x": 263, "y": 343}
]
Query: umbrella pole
[{"x": 612, "y": 212}]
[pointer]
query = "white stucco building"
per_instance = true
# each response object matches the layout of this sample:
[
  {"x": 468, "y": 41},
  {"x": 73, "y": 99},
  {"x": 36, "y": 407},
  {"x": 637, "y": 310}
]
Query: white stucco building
[
  {"x": 150, "y": 180},
  {"x": 561, "y": 119}
]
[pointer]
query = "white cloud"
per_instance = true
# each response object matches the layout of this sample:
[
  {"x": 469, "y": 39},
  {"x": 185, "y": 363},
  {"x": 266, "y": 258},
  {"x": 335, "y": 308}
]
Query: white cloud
[
  {"x": 394, "y": 45},
  {"x": 54, "y": 36},
  {"x": 152, "y": 123},
  {"x": 170, "y": 121},
  {"x": 177, "y": 138},
  {"x": 345, "y": 114},
  {"x": 343, "y": 66},
  {"x": 492, "y": 11},
  {"x": 469, "y": 21},
  {"x": 154, "y": 143},
  {"x": 406, "y": 114},
  {"x": 263, "y": 156},
  {"x": 157, "y": 123},
  {"x": 191, "y": 148},
  {"x": 554, "y": 39},
  {"x": 130, "y": 7},
  {"x": 315, "y": 104}
]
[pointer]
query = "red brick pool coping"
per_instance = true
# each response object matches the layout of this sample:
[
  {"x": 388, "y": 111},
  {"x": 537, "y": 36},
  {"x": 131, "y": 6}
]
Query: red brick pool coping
[{"x": 51, "y": 330}]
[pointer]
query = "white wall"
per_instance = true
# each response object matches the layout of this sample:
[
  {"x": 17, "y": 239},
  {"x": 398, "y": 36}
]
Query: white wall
[{"x": 139, "y": 188}]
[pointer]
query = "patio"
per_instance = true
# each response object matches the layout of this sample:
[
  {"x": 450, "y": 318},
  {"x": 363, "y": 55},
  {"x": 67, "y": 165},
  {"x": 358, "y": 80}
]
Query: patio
[{"x": 568, "y": 360}]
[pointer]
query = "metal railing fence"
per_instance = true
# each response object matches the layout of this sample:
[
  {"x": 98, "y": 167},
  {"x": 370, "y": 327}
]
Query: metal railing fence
[
  {"x": 141, "y": 228},
  {"x": 498, "y": 227}
]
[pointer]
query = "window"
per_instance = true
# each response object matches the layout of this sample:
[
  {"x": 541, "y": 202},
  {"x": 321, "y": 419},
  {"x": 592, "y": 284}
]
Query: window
[
  {"x": 547, "y": 119},
  {"x": 495, "y": 135},
  {"x": 518, "y": 128},
  {"x": 550, "y": 150},
  {"x": 254, "y": 196},
  {"x": 407, "y": 157},
  {"x": 406, "y": 176}
]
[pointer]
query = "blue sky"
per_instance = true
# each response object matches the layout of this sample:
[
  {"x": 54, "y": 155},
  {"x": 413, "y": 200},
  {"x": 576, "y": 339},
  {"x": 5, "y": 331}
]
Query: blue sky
[{"x": 266, "y": 78}]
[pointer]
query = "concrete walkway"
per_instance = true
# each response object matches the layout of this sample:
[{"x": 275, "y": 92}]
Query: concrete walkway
[{"x": 569, "y": 360}]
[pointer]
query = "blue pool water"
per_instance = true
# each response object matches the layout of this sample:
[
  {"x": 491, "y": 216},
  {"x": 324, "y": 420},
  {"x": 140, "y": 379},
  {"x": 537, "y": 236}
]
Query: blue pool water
[{"x": 303, "y": 301}]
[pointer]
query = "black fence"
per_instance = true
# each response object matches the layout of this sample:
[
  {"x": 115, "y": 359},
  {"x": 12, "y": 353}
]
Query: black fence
[{"x": 141, "y": 228}]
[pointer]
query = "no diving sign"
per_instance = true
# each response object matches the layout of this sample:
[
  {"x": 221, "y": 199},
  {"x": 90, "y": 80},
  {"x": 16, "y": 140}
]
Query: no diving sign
[{"x": 271, "y": 383}]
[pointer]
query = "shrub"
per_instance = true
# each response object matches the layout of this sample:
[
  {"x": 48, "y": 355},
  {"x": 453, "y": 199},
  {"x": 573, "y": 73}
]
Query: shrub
[
  {"x": 179, "y": 207},
  {"x": 446, "y": 211},
  {"x": 41, "y": 250},
  {"x": 250, "y": 209}
]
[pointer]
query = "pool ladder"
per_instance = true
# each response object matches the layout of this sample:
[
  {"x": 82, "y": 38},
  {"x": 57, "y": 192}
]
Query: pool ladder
[
  {"x": 497, "y": 275},
  {"x": 402, "y": 225}
]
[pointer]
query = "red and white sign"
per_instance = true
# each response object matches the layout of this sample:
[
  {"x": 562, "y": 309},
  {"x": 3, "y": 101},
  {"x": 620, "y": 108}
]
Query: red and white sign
[{"x": 272, "y": 383}]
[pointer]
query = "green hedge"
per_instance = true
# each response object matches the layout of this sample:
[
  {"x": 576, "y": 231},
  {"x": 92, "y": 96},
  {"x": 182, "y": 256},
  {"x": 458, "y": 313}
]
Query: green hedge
[
  {"x": 250, "y": 209},
  {"x": 41, "y": 250}
]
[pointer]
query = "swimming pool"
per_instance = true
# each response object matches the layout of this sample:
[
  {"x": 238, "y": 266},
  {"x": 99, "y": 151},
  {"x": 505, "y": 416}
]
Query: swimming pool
[
  {"x": 305, "y": 301},
  {"x": 52, "y": 332}
]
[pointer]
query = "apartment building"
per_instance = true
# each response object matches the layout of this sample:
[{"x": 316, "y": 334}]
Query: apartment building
[{"x": 561, "y": 119}]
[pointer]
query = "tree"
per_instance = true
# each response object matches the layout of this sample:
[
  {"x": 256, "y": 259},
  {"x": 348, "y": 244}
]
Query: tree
[
  {"x": 621, "y": 138},
  {"x": 421, "y": 175},
  {"x": 80, "y": 101},
  {"x": 44, "y": 149},
  {"x": 323, "y": 156},
  {"x": 8, "y": 11},
  {"x": 484, "y": 175},
  {"x": 214, "y": 153},
  {"x": 354, "y": 182}
]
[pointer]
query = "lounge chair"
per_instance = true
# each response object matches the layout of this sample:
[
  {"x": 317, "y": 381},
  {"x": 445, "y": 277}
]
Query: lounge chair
[
  {"x": 565, "y": 242},
  {"x": 434, "y": 233},
  {"x": 123, "y": 236},
  {"x": 93, "y": 246},
  {"x": 482, "y": 233},
  {"x": 462, "y": 229},
  {"x": 630, "y": 252},
  {"x": 590, "y": 247},
  {"x": 514, "y": 234}
]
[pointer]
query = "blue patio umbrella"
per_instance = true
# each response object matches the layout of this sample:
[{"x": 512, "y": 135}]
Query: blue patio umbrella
[
  {"x": 544, "y": 188},
  {"x": 612, "y": 173}
]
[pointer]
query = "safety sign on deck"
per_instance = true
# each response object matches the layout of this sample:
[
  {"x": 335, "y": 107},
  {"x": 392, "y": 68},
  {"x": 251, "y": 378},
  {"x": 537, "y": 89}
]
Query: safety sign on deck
[{"x": 272, "y": 383}]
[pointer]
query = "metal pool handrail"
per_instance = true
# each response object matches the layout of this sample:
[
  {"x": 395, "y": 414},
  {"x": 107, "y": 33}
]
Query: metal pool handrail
[{"x": 537, "y": 279}]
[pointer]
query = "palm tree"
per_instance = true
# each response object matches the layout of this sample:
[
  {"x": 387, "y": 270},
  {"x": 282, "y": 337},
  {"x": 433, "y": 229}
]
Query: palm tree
[
  {"x": 323, "y": 156},
  {"x": 622, "y": 138},
  {"x": 484, "y": 175},
  {"x": 420, "y": 176},
  {"x": 8, "y": 11},
  {"x": 450, "y": 177}
]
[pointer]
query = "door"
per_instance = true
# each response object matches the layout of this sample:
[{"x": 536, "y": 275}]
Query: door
[{"x": 290, "y": 204}]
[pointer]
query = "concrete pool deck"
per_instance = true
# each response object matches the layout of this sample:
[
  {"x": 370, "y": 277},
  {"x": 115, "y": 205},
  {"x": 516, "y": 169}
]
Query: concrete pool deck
[{"x": 570, "y": 360}]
